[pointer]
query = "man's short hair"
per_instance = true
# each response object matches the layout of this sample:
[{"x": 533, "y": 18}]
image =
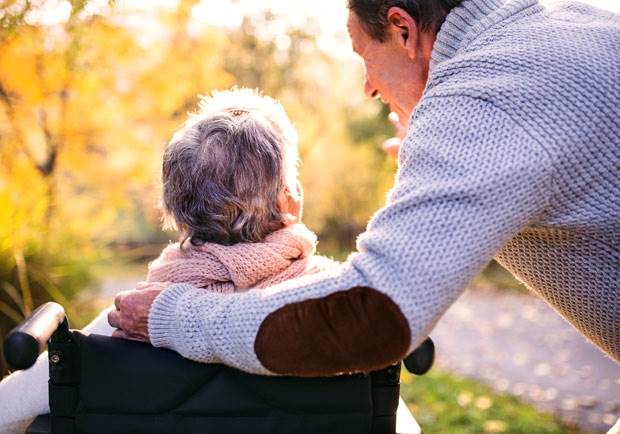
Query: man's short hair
[{"x": 428, "y": 14}]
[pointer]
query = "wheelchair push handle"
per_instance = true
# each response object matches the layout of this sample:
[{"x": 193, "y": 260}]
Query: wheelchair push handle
[
  {"x": 420, "y": 361},
  {"x": 25, "y": 342}
]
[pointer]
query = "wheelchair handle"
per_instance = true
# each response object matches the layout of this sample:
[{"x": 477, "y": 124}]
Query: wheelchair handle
[
  {"x": 25, "y": 342},
  {"x": 420, "y": 361}
]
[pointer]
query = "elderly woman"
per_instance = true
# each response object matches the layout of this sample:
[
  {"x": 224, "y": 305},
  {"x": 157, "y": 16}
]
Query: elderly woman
[{"x": 230, "y": 188}]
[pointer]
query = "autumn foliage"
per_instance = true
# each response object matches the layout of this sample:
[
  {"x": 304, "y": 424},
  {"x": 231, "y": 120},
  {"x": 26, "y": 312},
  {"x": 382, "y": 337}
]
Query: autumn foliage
[{"x": 88, "y": 102}]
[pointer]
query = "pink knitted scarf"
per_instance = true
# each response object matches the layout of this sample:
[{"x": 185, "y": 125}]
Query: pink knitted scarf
[{"x": 282, "y": 255}]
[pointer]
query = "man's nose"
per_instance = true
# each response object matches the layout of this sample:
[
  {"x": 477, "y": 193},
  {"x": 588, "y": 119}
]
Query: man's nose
[{"x": 370, "y": 90}]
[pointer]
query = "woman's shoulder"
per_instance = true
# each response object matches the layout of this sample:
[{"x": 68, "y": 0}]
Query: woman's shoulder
[{"x": 318, "y": 263}]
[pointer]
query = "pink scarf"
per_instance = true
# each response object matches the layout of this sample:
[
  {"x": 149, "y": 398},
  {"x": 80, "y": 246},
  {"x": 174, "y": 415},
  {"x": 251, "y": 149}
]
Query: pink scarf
[{"x": 282, "y": 255}]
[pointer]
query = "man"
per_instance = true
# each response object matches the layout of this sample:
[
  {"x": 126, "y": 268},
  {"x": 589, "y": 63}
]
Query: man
[{"x": 513, "y": 152}]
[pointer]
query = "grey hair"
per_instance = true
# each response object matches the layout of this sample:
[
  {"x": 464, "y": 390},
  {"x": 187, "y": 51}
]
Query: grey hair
[{"x": 223, "y": 171}]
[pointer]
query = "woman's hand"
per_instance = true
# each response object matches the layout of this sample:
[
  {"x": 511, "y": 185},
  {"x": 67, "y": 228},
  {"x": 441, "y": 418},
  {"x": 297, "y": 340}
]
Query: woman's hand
[
  {"x": 392, "y": 145},
  {"x": 132, "y": 310}
]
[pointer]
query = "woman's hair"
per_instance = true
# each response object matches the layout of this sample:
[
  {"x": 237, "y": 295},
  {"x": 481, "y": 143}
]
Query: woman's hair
[{"x": 223, "y": 170}]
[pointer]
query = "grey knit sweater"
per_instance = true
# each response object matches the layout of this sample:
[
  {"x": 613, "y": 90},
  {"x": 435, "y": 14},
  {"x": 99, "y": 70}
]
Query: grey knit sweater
[{"x": 513, "y": 152}]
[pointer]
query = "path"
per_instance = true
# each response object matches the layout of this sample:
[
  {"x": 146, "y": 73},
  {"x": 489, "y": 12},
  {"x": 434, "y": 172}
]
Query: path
[{"x": 518, "y": 344}]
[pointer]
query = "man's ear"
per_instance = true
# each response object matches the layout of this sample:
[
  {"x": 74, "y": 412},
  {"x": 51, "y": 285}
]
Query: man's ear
[{"x": 403, "y": 29}]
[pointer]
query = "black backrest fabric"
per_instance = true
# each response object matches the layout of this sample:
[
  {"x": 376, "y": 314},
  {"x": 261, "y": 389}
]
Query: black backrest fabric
[{"x": 132, "y": 387}]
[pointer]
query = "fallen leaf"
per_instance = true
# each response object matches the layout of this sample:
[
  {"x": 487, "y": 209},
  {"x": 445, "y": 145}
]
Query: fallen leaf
[{"x": 494, "y": 426}]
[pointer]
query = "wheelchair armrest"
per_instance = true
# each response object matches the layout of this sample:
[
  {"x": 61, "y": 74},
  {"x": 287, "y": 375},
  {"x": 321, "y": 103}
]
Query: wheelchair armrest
[{"x": 25, "y": 342}]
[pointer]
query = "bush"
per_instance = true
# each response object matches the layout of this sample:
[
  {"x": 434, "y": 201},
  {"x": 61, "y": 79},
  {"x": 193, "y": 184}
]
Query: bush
[{"x": 55, "y": 270}]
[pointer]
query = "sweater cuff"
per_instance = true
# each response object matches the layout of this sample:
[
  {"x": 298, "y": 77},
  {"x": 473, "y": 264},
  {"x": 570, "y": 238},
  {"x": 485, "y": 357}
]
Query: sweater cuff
[{"x": 162, "y": 323}]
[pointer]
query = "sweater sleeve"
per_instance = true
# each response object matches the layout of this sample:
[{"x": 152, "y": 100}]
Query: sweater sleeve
[{"x": 469, "y": 179}]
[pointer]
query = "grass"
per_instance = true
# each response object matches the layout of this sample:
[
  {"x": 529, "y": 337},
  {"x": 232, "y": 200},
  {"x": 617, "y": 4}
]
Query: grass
[
  {"x": 445, "y": 403},
  {"x": 497, "y": 277}
]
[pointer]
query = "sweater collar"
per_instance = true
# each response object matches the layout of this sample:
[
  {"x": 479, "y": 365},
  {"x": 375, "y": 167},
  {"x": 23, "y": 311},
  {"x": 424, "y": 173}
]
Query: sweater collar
[
  {"x": 242, "y": 264},
  {"x": 468, "y": 20}
]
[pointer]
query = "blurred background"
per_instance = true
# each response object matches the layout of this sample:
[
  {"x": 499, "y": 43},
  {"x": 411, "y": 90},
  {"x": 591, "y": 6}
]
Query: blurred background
[{"x": 90, "y": 92}]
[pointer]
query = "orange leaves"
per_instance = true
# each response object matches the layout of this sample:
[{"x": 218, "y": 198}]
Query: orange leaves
[
  {"x": 94, "y": 100},
  {"x": 86, "y": 107}
]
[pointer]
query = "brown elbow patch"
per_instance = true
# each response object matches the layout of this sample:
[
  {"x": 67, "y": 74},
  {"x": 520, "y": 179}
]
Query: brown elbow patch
[{"x": 357, "y": 330}]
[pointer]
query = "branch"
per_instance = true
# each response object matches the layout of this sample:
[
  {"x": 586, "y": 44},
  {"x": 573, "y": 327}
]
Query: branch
[
  {"x": 5, "y": 97},
  {"x": 10, "y": 21},
  {"x": 10, "y": 312},
  {"x": 46, "y": 168}
]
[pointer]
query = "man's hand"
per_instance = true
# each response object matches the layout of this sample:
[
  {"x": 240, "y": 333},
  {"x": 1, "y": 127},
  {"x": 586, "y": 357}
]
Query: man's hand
[
  {"x": 392, "y": 145},
  {"x": 132, "y": 311}
]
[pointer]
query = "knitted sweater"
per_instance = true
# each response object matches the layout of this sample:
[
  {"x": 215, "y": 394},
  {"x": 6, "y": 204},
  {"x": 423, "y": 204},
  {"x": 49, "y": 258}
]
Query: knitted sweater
[
  {"x": 284, "y": 254},
  {"x": 513, "y": 152}
]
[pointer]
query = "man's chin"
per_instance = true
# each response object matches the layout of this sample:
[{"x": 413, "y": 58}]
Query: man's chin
[{"x": 403, "y": 117}]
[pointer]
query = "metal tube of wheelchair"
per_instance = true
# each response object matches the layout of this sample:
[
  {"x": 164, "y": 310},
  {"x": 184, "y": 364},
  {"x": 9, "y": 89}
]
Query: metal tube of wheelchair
[{"x": 25, "y": 342}]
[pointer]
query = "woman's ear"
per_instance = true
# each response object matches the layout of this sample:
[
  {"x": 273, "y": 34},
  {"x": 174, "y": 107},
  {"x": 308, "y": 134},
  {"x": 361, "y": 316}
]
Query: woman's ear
[
  {"x": 404, "y": 30},
  {"x": 290, "y": 205}
]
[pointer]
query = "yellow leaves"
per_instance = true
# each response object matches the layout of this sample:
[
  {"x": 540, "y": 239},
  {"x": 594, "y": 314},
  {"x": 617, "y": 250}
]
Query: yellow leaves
[
  {"x": 106, "y": 103},
  {"x": 483, "y": 402},
  {"x": 112, "y": 92},
  {"x": 17, "y": 65},
  {"x": 109, "y": 43},
  {"x": 467, "y": 399},
  {"x": 464, "y": 399},
  {"x": 405, "y": 376},
  {"x": 494, "y": 426},
  {"x": 33, "y": 63},
  {"x": 22, "y": 207}
]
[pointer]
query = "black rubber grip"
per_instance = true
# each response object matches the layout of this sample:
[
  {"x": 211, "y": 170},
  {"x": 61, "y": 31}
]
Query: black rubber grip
[
  {"x": 25, "y": 342},
  {"x": 420, "y": 361}
]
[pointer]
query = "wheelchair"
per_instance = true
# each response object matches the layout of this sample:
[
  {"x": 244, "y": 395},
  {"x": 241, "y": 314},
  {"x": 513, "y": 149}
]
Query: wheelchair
[{"x": 104, "y": 385}]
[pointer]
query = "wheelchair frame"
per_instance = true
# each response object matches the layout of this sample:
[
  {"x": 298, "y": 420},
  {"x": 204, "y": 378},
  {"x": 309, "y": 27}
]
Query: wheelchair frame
[{"x": 49, "y": 325}]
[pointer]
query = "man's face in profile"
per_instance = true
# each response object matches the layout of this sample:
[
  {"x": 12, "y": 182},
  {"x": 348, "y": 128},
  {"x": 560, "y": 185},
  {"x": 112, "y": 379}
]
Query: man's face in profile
[{"x": 391, "y": 72}]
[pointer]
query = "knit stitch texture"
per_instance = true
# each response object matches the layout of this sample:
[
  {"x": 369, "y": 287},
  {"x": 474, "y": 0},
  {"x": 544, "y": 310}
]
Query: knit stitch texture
[
  {"x": 513, "y": 152},
  {"x": 282, "y": 255}
]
